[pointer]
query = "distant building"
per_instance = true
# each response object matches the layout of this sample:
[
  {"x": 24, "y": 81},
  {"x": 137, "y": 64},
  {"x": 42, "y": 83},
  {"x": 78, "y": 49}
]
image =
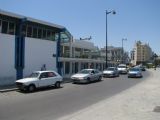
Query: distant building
[
  {"x": 114, "y": 54},
  {"x": 79, "y": 54},
  {"x": 141, "y": 53}
]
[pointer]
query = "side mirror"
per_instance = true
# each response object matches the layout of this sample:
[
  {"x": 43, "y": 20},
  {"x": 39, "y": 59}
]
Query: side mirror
[{"x": 91, "y": 73}]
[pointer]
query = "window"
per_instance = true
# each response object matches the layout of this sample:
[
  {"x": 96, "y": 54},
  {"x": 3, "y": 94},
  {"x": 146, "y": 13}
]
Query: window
[
  {"x": 67, "y": 67},
  {"x": 93, "y": 72},
  {"x": 29, "y": 31},
  {"x": 0, "y": 26},
  {"x": 4, "y": 27},
  {"x": 51, "y": 74},
  {"x": 35, "y": 32},
  {"x": 48, "y": 34},
  {"x": 96, "y": 71},
  {"x": 52, "y": 36},
  {"x": 44, "y": 75},
  {"x": 11, "y": 28},
  {"x": 24, "y": 30},
  {"x": 44, "y": 34},
  {"x": 39, "y": 33}
]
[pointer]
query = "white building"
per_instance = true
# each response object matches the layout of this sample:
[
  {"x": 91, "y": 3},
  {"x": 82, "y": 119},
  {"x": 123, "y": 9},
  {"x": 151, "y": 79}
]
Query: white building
[
  {"x": 84, "y": 55},
  {"x": 26, "y": 45}
]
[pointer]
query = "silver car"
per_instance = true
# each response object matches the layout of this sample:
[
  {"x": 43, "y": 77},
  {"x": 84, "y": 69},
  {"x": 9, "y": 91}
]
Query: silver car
[
  {"x": 122, "y": 68},
  {"x": 87, "y": 76},
  {"x": 111, "y": 72},
  {"x": 135, "y": 72}
]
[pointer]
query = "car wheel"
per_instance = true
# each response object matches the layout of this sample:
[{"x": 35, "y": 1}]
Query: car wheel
[
  {"x": 31, "y": 88},
  {"x": 57, "y": 84}
]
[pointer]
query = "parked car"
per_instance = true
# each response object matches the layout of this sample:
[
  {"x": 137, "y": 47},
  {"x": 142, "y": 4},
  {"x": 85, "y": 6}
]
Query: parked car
[
  {"x": 39, "y": 79},
  {"x": 143, "y": 68},
  {"x": 111, "y": 72},
  {"x": 135, "y": 72},
  {"x": 87, "y": 76},
  {"x": 122, "y": 68}
]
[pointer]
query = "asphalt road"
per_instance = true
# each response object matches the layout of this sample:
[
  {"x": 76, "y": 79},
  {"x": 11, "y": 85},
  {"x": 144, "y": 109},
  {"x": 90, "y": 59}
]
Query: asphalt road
[{"x": 50, "y": 104}]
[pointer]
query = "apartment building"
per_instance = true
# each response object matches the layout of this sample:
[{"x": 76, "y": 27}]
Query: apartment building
[{"x": 141, "y": 53}]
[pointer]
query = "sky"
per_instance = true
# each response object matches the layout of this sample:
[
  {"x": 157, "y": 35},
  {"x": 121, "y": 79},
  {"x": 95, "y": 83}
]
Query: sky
[{"x": 134, "y": 19}]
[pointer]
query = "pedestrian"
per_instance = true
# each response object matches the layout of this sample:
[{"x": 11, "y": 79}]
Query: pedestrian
[{"x": 43, "y": 68}]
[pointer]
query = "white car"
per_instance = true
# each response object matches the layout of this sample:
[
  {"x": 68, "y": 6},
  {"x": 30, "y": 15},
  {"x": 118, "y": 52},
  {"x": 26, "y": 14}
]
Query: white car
[
  {"x": 39, "y": 79},
  {"x": 87, "y": 76},
  {"x": 122, "y": 68},
  {"x": 111, "y": 72}
]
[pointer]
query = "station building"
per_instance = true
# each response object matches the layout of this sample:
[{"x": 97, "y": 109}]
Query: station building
[{"x": 28, "y": 44}]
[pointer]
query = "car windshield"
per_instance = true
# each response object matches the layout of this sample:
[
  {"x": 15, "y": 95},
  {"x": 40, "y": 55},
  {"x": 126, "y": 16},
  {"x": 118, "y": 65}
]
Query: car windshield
[
  {"x": 34, "y": 75},
  {"x": 85, "y": 71},
  {"x": 134, "y": 69},
  {"x": 121, "y": 66},
  {"x": 110, "y": 69}
]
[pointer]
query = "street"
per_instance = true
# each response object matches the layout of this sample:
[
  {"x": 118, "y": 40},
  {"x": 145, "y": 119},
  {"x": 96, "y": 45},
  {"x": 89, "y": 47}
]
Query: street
[{"x": 50, "y": 104}]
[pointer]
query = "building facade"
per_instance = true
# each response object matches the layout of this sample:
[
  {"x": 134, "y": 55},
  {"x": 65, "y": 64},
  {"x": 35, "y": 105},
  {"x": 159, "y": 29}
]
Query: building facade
[
  {"x": 141, "y": 53},
  {"x": 114, "y": 55},
  {"x": 27, "y": 45},
  {"x": 79, "y": 54}
]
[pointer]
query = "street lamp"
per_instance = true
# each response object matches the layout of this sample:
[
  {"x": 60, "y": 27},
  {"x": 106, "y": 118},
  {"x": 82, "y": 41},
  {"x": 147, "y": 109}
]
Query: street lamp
[
  {"x": 107, "y": 12},
  {"x": 124, "y": 39}
]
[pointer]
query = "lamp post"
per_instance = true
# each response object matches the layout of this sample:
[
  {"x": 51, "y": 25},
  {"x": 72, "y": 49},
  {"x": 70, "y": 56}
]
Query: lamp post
[
  {"x": 107, "y": 12},
  {"x": 124, "y": 39}
]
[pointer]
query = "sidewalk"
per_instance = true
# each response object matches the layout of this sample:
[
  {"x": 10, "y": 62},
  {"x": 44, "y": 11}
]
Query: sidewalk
[
  {"x": 136, "y": 103},
  {"x": 7, "y": 88}
]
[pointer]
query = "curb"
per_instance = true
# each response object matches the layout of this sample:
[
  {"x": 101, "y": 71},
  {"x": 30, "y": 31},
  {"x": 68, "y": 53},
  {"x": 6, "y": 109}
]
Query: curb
[{"x": 8, "y": 90}]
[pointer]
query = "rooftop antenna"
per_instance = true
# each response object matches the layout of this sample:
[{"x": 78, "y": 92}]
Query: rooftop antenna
[{"x": 89, "y": 38}]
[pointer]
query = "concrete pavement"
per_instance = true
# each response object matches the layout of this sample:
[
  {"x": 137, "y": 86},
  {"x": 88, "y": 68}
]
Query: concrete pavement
[{"x": 140, "y": 102}]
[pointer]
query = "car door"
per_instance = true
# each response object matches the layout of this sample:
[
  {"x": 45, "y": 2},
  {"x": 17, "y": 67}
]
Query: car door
[
  {"x": 44, "y": 79},
  {"x": 116, "y": 71},
  {"x": 52, "y": 78},
  {"x": 92, "y": 75},
  {"x": 97, "y": 74}
]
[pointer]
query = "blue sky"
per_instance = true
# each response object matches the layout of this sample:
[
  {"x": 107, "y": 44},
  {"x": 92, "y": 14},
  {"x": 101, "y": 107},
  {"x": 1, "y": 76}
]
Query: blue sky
[{"x": 135, "y": 19}]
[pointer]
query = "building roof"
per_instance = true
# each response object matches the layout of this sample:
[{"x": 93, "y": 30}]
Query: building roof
[{"x": 30, "y": 19}]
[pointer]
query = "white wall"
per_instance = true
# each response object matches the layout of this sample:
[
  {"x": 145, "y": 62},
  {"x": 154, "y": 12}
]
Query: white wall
[
  {"x": 7, "y": 59},
  {"x": 37, "y": 53}
]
